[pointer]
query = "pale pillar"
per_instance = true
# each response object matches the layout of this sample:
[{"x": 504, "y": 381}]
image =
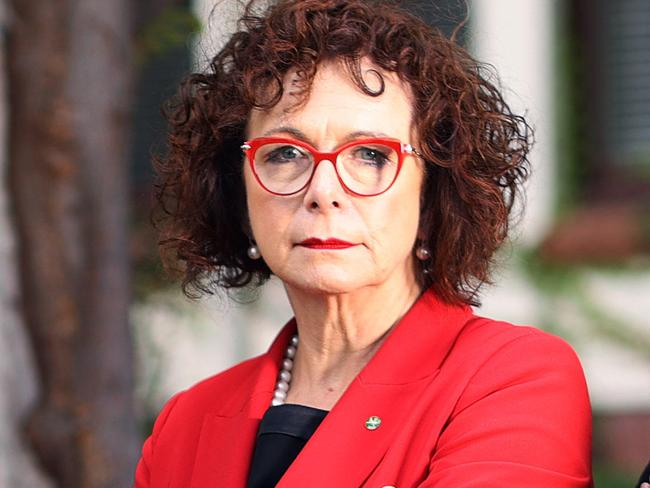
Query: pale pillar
[{"x": 517, "y": 38}]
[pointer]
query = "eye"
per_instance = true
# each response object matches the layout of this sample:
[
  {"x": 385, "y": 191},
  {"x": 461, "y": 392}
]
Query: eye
[
  {"x": 285, "y": 154},
  {"x": 371, "y": 155}
]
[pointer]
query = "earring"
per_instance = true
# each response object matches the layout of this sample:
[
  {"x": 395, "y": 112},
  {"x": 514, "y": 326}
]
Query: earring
[
  {"x": 254, "y": 251},
  {"x": 422, "y": 252}
]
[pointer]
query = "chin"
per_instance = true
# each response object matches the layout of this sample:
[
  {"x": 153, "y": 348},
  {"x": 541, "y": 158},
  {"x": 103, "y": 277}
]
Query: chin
[{"x": 327, "y": 283}]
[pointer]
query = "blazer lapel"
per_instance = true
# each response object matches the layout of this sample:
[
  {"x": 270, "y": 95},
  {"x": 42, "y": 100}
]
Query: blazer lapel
[
  {"x": 225, "y": 446},
  {"x": 227, "y": 438},
  {"x": 344, "y": 451}
]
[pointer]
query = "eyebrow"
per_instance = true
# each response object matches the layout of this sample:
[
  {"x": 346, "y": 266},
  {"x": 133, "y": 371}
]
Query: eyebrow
[{"x": 300, "y": 135}]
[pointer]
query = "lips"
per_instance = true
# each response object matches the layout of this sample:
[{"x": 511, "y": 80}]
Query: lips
[{"x": 331, "y": 243}]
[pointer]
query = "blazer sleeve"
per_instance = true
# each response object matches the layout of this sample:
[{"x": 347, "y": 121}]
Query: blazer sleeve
[
  {"x": 143, "y": 470},
  {"x": 524, "y": 420}
]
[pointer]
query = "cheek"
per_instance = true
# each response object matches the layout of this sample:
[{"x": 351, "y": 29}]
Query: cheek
[
  {"x": 255, "y": 203},
  {"x": 269, "y": 219},
  {"x": 259, "y": 215},
  {"x": 398, "y": 222},
  {"x": 395, "y": 224}
]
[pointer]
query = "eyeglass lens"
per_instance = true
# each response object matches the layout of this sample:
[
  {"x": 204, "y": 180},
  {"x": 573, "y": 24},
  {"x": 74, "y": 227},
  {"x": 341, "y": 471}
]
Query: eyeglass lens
[{"x": 364, "y": 168}]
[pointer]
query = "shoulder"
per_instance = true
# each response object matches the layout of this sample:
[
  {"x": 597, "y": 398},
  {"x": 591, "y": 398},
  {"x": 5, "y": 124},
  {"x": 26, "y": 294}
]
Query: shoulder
[
  {"x": 215, "y": 392},
  {"x": 499, "y": 338},
  {"x": 504, "y": 355},
  {"x": 519, "y": 408},
  {"x": 178, "y": 426}
]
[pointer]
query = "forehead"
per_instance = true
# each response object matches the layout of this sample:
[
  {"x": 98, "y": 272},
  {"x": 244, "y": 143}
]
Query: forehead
[{"x": 336, "y": 106}]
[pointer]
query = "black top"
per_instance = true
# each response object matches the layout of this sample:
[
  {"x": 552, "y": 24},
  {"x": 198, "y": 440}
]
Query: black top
[
  {"x": 283, "y": 432},
  {"x": 645, "y": 477}
]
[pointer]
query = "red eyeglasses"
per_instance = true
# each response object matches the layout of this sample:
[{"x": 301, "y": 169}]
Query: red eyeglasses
[{"x": 365, "y": 167}]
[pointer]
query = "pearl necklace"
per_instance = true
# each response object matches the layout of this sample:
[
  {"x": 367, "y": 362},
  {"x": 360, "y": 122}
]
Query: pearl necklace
[{"x": 284, "y": 377}]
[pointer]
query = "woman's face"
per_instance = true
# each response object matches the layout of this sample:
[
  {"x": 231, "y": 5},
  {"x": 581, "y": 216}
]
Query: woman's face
[{"x": 382, "y": 228}]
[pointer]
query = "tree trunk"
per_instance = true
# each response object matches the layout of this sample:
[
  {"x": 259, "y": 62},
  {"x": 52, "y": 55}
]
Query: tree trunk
[
  {"x": 70, "y": 77},
  {"x": 17, "y": 373}
]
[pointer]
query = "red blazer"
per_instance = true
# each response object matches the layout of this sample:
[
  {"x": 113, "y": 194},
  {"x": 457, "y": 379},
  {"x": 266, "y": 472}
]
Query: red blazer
[{"x": 464, "y": 401}]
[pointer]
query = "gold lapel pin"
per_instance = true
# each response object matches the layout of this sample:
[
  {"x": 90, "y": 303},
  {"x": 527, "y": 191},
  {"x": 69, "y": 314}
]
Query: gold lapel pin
[{"x": 373, "y": 422}]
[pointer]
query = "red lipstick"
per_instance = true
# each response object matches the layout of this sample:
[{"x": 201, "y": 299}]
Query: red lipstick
[{"x": 331, "y": 243}]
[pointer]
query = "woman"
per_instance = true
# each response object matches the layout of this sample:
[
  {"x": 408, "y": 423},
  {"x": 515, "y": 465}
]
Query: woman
[{"x": 367, "y": 162}]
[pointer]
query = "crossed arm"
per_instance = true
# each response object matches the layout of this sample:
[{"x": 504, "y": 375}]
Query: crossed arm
[{"x": 524, "y": 420}]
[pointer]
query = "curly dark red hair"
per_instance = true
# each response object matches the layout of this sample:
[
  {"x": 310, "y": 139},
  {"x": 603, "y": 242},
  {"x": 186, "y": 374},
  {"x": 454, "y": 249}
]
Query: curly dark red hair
[{"x": 476, "y": 148}]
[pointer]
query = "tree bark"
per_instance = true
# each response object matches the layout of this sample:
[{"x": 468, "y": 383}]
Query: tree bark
[
  {"x": 17, "y": 372},
  {"x": 70, "y": 81}
]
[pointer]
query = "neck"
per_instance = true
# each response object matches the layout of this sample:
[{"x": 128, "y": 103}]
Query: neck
[{"x": 339, "y": 334}]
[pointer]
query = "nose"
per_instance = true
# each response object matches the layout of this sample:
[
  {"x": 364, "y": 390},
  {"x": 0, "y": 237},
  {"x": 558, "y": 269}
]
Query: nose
[{"x": 324, "y": 191}]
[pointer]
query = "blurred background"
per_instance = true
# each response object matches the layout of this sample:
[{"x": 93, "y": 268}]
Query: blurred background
[{"x": 94, "y": 337}]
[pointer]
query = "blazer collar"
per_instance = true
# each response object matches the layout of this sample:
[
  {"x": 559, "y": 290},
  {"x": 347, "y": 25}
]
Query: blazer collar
[{"x": 414, "y": 351}]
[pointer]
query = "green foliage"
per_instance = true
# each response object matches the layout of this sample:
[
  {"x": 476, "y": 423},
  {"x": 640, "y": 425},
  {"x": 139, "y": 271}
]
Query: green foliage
[
  {"x": 606, "y": 476},
  {"x": 170, "y": 30},
  {"x": 559, "y": 282},
  {"x": 149, "y": 276}
]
